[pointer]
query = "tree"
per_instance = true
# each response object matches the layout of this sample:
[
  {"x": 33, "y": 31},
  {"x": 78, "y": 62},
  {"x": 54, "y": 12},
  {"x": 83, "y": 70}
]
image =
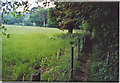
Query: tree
[
  {"x": 52, "y": 18},
  {"x": 39, "y": 16},
  {"x": 66, "y": 15},
  {"x": 101, "y": 20},
  {"x": 27, "y": 22}
]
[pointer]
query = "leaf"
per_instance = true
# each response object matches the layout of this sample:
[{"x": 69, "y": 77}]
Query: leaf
[
  {"x": 20, "y": 15},
  {"x": 8, "y": 35},
  {"x": 14, "y": 15},
  {"x": 8, "y": 14},
  {"x": 23, "y": 15},
  {"x": 5, "y": 29}
]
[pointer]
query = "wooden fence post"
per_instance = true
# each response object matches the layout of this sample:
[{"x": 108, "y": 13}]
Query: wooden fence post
[
  {"x": 78, "y": 48},
  {"x": 72, "y": 49},
  {"x": 36, "y": 76},
  {"x": 108, "y": 55},
  {"x": 83, "y": 44},
  {"x": 83, "y": 41}
]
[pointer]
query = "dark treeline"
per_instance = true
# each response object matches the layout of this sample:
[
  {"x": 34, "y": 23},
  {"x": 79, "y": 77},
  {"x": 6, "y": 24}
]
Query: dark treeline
[{"x": 101, "y": 21}]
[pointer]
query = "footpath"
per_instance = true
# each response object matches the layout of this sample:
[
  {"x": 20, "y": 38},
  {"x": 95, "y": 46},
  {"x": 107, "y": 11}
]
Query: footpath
[{"x": 81, "y": 72}]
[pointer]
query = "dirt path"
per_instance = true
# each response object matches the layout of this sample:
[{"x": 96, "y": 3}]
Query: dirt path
[{"x": 81, "y": 73}]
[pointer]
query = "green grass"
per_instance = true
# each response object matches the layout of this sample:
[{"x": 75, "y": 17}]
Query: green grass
[{"x": 34, "y": 48}]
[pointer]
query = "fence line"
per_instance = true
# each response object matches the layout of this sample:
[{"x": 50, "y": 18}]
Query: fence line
[{"x": 73, "y": 51}]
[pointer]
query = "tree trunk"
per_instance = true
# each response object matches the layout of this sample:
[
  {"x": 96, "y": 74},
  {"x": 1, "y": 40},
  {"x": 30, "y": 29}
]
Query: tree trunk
[
  {"x": 72, "y": 49},
  {"x": 90, "y": 30},
  {"x": 70, "y": 31},
  {"x": 44, "y": 21},
  {"x": 78, "y": 48}
]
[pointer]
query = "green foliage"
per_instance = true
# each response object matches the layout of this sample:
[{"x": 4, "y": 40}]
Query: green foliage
[
  {"x": 27, "y": 22},
  {"x": 67, "y": 15},
  {"x": 100, "y": 19},
  {"x": 9, "y": 19},
  {"x": 9, "y": 6},
  {"x": 99, "y": 70},
  {"x": 10, "y": 14},
  {"x": 52, "y": 18},
  {"x": 105, "y": 26},
  {"x": 3, "y": 32},
  {"x": 38, "y": 15}
]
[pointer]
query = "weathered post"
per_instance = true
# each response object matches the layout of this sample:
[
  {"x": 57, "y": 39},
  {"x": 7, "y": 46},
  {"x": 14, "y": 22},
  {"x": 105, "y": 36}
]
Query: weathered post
[
  {"x": 83, "y": 45},
  {"x": 108, "y": 55},
  {"x": 83, "y": 41},
  {"x": 72, "y": 58},
  {"x": 72, "y": 49},
  {"x": 78, "y": 48},
  {"x": 36, "y": 76}
]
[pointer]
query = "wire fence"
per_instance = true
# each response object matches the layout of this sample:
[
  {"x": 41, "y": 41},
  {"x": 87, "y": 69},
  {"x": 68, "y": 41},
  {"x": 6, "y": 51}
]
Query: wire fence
[{"x": 67, "y": 64}]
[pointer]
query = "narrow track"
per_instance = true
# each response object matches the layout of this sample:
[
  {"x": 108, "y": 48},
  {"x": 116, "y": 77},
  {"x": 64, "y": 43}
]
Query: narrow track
[{"x": 81, "y": 73}]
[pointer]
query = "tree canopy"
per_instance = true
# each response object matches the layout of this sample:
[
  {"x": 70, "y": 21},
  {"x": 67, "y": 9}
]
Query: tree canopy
[
  {"x": 101, "y": 20},
  {"x": 38, "y": 15}
]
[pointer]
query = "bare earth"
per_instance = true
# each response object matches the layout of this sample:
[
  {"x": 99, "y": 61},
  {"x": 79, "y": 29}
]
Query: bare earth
[{"x": 82, "y": 71}]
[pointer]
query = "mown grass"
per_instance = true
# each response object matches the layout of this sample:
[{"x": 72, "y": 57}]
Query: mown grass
[{"x": 34, "y": 48}]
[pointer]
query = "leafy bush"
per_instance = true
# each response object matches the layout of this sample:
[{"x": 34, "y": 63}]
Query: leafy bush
[{"x": 100, "y": 70}]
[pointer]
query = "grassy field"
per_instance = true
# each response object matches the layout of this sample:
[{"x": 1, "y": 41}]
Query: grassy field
[{"x": 34, "y": 48}]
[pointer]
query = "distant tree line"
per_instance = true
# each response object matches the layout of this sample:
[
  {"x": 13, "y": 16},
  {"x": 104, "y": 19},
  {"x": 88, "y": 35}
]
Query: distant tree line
[{"x": 37, "y": 16}]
